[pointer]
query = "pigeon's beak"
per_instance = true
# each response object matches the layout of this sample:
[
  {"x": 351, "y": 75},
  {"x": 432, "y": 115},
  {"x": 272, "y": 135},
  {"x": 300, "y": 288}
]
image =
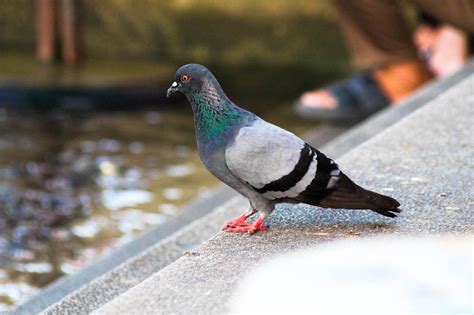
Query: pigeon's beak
[{"x": 173, "y": 88}]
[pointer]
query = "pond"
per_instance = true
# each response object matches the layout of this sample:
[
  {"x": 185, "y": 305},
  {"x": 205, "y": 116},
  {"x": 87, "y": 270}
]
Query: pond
[{"x": 76, "y": 184}]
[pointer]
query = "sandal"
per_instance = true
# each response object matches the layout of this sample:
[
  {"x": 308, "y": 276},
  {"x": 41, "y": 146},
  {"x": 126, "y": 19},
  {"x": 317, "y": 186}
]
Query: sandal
[{"x": 357, "y": 97}]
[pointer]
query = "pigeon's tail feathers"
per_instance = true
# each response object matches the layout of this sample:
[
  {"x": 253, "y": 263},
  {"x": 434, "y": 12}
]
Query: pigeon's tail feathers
[{"x": 349, "y": 195}]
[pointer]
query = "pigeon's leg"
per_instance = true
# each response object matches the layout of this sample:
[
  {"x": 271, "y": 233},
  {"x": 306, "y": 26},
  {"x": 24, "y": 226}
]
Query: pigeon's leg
[
  {"x": 249, "y": 227},
  {"x": 239, "y": 220}
]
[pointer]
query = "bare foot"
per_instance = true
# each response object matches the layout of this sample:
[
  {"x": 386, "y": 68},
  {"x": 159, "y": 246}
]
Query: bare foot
[
  {"x": 445, "y": 49},
  {"x": 319, "y": 99},
  {"x": 424, "y": 39}
]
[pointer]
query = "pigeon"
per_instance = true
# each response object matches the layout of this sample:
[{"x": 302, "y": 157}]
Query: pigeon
[{"x": 263, "y": 162}]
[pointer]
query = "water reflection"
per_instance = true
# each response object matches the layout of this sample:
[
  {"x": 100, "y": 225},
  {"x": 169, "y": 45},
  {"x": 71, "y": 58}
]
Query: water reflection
[{"x": 75, "y": 184}]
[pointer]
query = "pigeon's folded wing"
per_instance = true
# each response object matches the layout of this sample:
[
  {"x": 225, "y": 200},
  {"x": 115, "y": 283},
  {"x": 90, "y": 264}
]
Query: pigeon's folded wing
[{"x": 277, "y": 163}]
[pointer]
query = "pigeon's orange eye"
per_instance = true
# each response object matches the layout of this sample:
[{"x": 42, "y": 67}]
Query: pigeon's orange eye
[{"x": 185, "y": 78}]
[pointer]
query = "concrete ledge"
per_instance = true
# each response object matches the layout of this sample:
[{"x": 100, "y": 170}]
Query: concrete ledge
[
  {"x": 140, "y": 267},
  {"x": 425, "y": 161}
]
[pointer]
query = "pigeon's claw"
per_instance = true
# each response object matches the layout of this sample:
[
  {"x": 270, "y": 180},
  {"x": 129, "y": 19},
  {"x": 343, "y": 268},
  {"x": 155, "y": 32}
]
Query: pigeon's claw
[
  {"x": 248, "y": 227},
  {"x": 239, "y": 220},
  {"x": 234, "y": 223}
]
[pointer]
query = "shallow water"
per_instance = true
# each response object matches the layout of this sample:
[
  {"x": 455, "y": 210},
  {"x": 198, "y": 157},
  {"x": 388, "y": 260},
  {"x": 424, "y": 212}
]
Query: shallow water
[{"x": 76, "y": 184}]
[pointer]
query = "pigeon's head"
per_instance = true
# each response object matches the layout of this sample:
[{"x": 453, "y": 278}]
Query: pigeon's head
[{"x": 191, "y": 78}]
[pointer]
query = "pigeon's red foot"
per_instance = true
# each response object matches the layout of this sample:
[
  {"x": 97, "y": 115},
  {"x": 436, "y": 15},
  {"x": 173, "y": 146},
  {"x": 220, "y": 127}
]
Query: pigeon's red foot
[
  {"x": 247, "y": 227},
  {"x": 239, "y": 220},
  {"x": 235, "y": 222}
]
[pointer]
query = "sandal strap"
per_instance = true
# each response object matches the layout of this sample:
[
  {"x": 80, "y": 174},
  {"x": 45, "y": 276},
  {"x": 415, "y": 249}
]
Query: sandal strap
[{"x": 361, "y": 92}]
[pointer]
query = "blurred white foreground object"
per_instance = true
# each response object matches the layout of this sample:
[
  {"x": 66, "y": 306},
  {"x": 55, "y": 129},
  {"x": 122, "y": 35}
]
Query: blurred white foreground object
[{"x": 381, "y": 275}]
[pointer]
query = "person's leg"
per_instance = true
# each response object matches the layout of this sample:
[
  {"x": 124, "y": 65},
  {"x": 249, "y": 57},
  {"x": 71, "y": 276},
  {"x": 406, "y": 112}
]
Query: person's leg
[
  {"x": 444, "y": 48},
  {"x": 378, "y": 38},
  {"x": 375, "y": 31},
  {"x": 458, "y": 13}
]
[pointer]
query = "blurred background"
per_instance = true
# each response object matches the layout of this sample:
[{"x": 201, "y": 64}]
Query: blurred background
[{"x": 91, "y": 151}]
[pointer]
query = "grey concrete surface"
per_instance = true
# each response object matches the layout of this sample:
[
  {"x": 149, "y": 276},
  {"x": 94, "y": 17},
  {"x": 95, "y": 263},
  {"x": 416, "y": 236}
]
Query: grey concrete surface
[
  {"x": 424, "y": 161},
  {"x": 138, "y": 268}
]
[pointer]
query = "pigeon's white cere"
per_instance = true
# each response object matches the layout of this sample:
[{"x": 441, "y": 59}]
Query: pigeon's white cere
[
  {"x": 174, "y": 84},
  {"x": 262, "y": 153}
]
